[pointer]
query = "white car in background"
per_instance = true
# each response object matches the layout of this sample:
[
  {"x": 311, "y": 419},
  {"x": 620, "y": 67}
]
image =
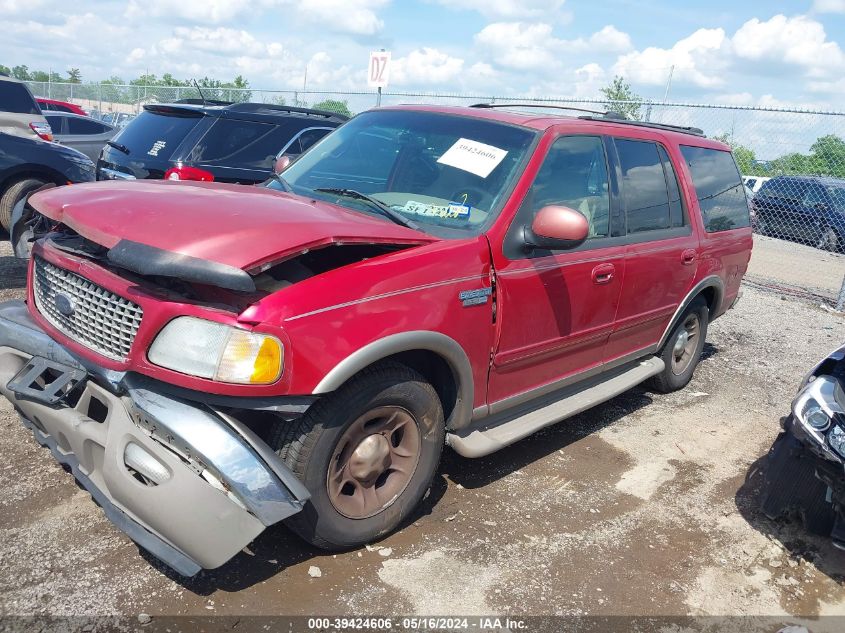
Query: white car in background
[{"x": 754, "y": 182}]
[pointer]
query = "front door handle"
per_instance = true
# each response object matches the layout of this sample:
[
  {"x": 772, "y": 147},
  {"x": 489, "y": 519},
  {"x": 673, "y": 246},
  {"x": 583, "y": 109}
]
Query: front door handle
[
  {"x": 603, "y": 273},
  {"x": 688, "y": 257}
]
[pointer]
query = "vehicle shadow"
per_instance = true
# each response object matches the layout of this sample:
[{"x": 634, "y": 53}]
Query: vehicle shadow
[
  {"x": 480, "y": 472},
  {"x": 278, "y": 548},
  {"x": 789, "y": 531},
  {"x": 274, "y": 550}
]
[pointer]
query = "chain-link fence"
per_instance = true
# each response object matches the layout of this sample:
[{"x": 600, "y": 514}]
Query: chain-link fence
[{"x": 792, "y": 160}]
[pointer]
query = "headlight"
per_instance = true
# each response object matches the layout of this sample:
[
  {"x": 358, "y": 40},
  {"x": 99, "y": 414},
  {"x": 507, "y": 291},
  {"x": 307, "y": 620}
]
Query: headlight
[
  {"x": 218, "y": 352},
  {"x": 819, "y": 407}
]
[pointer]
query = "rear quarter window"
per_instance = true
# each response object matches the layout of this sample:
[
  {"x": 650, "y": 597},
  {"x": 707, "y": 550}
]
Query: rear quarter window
[
  {"x": 15, "y": 97},
  {"x": 156, "y": 135},
  {"x": 718, "y": 187},
  {"x": 244, "y": 144}
]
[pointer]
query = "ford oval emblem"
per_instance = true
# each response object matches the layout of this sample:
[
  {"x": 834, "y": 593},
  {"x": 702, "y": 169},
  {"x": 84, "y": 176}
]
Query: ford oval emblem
[{"x": 64, "y": 305}]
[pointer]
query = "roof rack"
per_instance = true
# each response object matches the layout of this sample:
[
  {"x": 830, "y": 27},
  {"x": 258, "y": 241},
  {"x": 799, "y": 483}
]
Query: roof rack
[
  {"x": 658, "y": 126},
  {"x": 257, "y": 107},
  {"x": 193, "y": 101},
  {"x": 610, "y": 115}
]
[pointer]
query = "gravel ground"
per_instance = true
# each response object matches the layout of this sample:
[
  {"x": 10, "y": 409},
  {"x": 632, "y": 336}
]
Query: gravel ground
[{"x": 646, "y": 505}]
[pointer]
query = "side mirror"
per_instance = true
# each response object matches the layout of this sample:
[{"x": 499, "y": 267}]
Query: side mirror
[
  {"x": 281, "y": 163},
  {"x": 557, "y": 227}
]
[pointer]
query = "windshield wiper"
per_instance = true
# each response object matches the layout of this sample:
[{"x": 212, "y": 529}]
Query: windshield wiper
[
  {"x": 375, "y": 203},
  {"x": 118, "y": 146},
  {"x": 284, "y": 183}
]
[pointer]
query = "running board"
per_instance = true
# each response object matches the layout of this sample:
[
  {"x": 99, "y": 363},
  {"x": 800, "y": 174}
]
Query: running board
[{"x": 495, "y": 432}]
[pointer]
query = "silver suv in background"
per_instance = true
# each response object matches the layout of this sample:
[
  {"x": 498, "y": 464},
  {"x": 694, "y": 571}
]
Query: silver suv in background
[{"x": 19, "y": 113}]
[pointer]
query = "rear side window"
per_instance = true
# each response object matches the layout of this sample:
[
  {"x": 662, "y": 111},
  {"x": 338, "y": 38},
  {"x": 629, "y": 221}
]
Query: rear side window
[
  {"x": 644, "y": 192},
  {"x": 84, "y": 126},
  {"x": 245, "y": 144},
  {"x": 55, "y": 123},
  {"x": 786, "y": 190},
  {"x": 718, "y": 187},
  {"x": 306, "y": 139},
  {"x": 155, "y": 134},
  {"x": 15, "y": 97}
]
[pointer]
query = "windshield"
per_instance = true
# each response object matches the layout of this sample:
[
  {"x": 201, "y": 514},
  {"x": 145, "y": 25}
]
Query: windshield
[
  {"x": 837, "y": 194},
  {"x": 448, "y": 174}
]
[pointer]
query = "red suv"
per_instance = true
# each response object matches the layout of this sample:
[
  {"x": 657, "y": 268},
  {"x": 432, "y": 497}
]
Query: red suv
[{"x": 210, "y": 359}]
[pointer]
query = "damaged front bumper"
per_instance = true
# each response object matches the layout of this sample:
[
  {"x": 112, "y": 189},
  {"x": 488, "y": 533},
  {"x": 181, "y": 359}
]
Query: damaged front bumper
[
  {"x": 805, "y": 470},
  {"x": 189, "y": 484}
]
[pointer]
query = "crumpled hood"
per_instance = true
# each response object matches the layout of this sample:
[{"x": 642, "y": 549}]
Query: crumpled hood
[{"x": 236, "y": 225}]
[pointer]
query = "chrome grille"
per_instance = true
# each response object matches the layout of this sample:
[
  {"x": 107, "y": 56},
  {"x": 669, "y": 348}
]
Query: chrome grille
[{"x": 97, "y": 318}]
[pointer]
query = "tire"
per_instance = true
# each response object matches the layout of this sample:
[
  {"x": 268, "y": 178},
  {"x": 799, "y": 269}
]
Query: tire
[
  {"x": 829, "y": 241},
  {"x": 678, "y": 372},
  {"x": 355, "y": 497},
  {"x": 12, "y": 196}
]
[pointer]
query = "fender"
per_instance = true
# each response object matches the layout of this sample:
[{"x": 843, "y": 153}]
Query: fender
[
  {"x": 712, "y": 281},
  {"x": 436, "y": 342}
]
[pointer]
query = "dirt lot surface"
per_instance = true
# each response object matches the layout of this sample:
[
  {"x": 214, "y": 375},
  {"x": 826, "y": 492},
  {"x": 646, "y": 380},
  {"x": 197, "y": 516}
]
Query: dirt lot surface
[
  {"x": 642, "y": 506},
  {"x": 796, "y": 267}
]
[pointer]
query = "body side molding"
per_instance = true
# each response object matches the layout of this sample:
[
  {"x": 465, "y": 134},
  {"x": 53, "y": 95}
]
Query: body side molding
[{"x": 427, "y": 340}]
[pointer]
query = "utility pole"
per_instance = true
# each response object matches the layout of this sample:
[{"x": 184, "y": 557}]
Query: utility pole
[{"x": 668, "y": 83}]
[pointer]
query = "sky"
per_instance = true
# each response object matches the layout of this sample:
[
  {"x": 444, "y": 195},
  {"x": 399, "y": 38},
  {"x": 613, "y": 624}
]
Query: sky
[{"x": 772, "y": 53}]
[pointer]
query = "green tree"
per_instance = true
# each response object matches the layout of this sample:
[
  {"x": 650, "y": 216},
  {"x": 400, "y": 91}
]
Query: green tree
[
  {"x": 744, "y": 156},
  {"x": 5, "y": 70},
  {"x": 21, "y": 72},
  {"x": 623, "y": 99},
  {"x": 74, "y": 76},
  {"x": 334, "y": 105},
  {"x": 828, "y": 156}
]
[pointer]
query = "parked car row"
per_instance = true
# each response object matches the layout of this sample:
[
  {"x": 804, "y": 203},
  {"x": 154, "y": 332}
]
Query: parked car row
[
  {"x": 302, "y": 350},
  {"x": 227, "y": 143},
  {"x": 806, "y": 209}
]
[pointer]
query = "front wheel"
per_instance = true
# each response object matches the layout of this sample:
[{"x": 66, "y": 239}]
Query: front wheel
[
  {"x": 828, "y": 241},
  {"x": 13, "y": 195},
  {"x": 367, "y": 453},
  {"x": 683, "y": 348}
]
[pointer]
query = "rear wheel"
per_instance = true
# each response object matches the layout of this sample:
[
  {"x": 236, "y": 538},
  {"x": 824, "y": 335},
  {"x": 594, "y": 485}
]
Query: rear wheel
[
  {"x": 367, "y": 454},
  {"x": 13, "y": 195},
  {"x": 683, "y": 348}
]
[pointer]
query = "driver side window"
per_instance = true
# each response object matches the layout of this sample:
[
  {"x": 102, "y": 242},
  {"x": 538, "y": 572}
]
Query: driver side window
[{"x": 574, "y": 175}]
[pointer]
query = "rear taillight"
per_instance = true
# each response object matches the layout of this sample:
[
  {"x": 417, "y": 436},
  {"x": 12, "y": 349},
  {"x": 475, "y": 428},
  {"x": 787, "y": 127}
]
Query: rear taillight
[
  {"x": 183, "y": 172},
  {"x": 43, "y": 130}
]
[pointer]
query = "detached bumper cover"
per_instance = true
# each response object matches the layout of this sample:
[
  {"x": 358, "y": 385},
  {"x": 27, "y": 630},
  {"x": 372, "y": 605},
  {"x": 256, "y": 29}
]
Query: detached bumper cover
[{"x": 217, "y": 484}]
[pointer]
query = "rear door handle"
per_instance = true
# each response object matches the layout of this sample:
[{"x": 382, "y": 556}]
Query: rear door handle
[
  {"x": 603, "y": 273},
  {"x": 688, "y": 257}
]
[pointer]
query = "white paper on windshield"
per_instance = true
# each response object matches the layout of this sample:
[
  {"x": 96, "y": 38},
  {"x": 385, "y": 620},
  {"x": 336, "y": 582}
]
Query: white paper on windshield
[{"x": 477, "y": 158}]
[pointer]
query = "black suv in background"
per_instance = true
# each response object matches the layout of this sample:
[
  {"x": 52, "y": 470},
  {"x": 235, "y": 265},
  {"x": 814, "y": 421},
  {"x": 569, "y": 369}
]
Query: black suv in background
[
  {"x": 227, "y": 143},
  {"x": 807, "y": 209}
]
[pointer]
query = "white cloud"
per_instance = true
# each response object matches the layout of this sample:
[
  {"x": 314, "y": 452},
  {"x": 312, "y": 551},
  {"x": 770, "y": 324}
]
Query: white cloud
[
  {"x": 357, "y": 17},
  {"x": 698, "y": 59},
  {"x": 798, "y": 40},
  {"x": 203, "y": 11},
  {"x": 609, "y": 40},
  {"x": 426, "y": 66},
  {"x": 18, "y": 7},
  {"x": 511, "y": 9},
  {"x": 829, "y": 6},
  {"x": 532, "y": 45}
]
